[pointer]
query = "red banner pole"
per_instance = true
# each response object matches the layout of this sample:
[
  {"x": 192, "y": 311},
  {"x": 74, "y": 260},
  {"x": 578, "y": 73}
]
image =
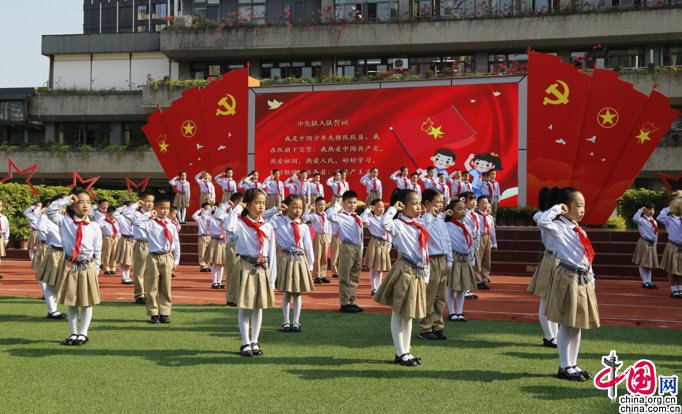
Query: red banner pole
[{"x": 401, "y": 144}]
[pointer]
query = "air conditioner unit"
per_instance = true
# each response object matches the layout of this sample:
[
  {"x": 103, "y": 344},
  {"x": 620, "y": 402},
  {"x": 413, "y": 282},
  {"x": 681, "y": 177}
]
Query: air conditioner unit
[{"x": 401, "y": 63}]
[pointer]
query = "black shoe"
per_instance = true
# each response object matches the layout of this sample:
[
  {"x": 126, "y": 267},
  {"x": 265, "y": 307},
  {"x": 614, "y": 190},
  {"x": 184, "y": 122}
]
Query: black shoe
[
  {"x": 470, "y": 296},
  {"x": 246, "y": 350},
  {"x": 453, "y": 317},
  {"x": 233, "y": 304},
  {"x": 127, "y": 282},
  {"x": 441, "y": 335},
  {"x": 461, "y": 318},
  {"x": 359, "y": 309},
  {"x": 2, "y": 277},
  {"x": 164, "y": 319},
  {"x": 652, "y": 286},
  {"x": 417, "y": 360},
  {"x": 581, "y": 372},
  {"x": 374, "y": 292},
  {"x": 295, "y": 327},
  {"x": 69, "y": 341},
  {"x": 485, "y": 286},
  {"x": 676, "y": 294},
  {"x": 479, "y": 286},
  {"x": 548, "y": 344},
  {"x": 318, "y": 280},
  {"x": 428, "y": 336},
  {"x": 325, "y": 280},
  {"x": 221, "y": 286},
  {"x": 154, "y": 319},
  {"x": 348, "y": 309},
  {"x": 255, "y": 348},
  {"x": 649, "y": 285},
  {"x": 141, "y": 300},
  {"x": 564, "y": 374},
  {"x": 405, "y": 363},
  {"x": 79, "y": 341},
  {"x": 286, "y": 327},
  {"x": 215, "y": 286},
  {"x": 335, "y": 275},
  {"x": 172, "y": 274},
  {"x": 56, "y": 315},
  {"x": 204, "y": 270}
]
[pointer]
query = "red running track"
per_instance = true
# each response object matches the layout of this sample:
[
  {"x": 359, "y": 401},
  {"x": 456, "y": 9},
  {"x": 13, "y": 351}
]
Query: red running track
[{"x": 621, "y": 302}]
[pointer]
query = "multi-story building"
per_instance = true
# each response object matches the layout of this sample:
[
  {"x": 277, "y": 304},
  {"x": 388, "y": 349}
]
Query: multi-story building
[{"x": 96, "y": 83}]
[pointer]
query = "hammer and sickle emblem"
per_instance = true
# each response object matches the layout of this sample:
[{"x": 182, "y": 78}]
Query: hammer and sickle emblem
[
  {"x": 229, "y": 109},
  {"x": 561, "y": 98}
]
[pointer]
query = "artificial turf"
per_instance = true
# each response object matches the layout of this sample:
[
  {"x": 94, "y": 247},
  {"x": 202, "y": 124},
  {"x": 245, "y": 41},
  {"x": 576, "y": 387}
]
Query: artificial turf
[{"x": 339, "y": 363}]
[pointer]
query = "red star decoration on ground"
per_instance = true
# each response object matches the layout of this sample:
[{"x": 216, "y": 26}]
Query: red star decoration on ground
[
  {"x": 667, "y": 180},
  {"x": 91, "y": 181},
  {"x": 28, "y": 179},
  {"x": 129, "y": 183}
]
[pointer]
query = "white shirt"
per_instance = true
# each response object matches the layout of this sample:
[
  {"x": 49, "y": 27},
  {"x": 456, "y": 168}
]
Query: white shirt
[
  {"x": 429, "y": 182},
  {"x": 108, "y": 228},
  {"x": 51, "y": 230},
  {"x": 443, "y": 187},
  {"x": 273, "y": 187},
  {"x": 228, "y": 184},
  {"x": 349, "y": 231},
  {"x": 458, "y": 241},
  {"x": 315, "y": 189},
  {"x": 33, "y": 216},
  {"x": 547, "y": 240},
  {"x": 482, "y": 218},
  {"x": 646, "y": 226},
  {"x": 466, "y": 186},
  {"x": 180, "y": 186},
  {"x": 673, "y": 225},
  {"x": 215, "y": 223},
  {"x": 28, "y": 212},
  {"x": 440, "y": 239},
  {"x": 300, "y": 187},
  {"x": 472, "y": 222},
  {"x": 486, "y": 187},
  {"x": 132, "y": 214},
  {"x": 205, "y": 186},
  {"x": 157, "y": 235},
  {"x": 405, "y": 239},
  {"x": 286, "y": 239},
  {"x": 567, "y": 245},
  {"x": 455, "y": 186},
  {"x": 98, "y": 215},
  {"x": 5, "y": 227},
  {"x": 374, "y": 226},
  {"x": 338, "y": 187},
  {"x": 496, "y": 191},
  {"x": 91, "y": 243},
  {"x": 246, "y": 241},
  {"x": 319, "y": 220},
  {"x": 402, "y": 182},
  {"x": 416, "y": 187},
  {"x": 248, "y": 183},
  {"x": 201, "y": 218},
  {"x": 125, "y": 225},
  {"x": 370, "y": 183}
]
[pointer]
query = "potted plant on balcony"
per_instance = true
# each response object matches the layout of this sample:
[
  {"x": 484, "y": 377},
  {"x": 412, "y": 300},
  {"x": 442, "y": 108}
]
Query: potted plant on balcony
[{"x": 19, "y": 232}]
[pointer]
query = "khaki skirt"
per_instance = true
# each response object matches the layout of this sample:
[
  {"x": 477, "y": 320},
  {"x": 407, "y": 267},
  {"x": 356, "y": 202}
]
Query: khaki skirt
[
  {"x": 645, "y": 254},
  {"x": 181, "y": 200},
  {"x": 231, "y": 281},
  {"x": 377, "y": 256},
  {"x": 403, "y": 291},
  {"x": 33, "y": 240},
  {"x": 542, "y": 278},
  {"x": 2, "y": 246},
  {"x": 124, "y": 251},
  {"x": 672, "y": 260},
  {"x": 226, "y": 196},
  {"x": 335, "y": 199},
  {"x": 205, "y": 198},
  {"x": 215, "y": 252},
  {"x": 51, "y": 268},
  {"x": 79, "y": 287},
  {"x": 570, "y": 303},
  {"x": 371, "y": 196},
  {"x": 254, "y": 291},
  {"x": 478, "y": 253},
  {"x": 293, "y": 274},
  {"x": 273, "y": 200},
  {"x": 38, "y": 256},
  {"x": 462, "y": 277}
]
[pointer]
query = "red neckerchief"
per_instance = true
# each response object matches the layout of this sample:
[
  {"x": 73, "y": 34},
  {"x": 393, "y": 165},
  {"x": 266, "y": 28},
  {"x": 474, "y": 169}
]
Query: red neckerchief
[
  {"x": 79, "y": 237},
  {"x": 589, "y": 251},
  {"x": 182, "y": 187},
  {"x": 475, "y": 221},
  {"x": 113, "y": 225},
  {"x": 166, "y": 232},
  {"x": 467, "y": 235},
  {"x": 297, "y": 232},
  {"x": 490, "y": 188},
  {"x": 485, "y": 220},
  {"x": 652, "y": 221},
  {"x": 319, "y": 189},
  {"x": 261, "y": 234},
  {"x": 423, "y": 236},
  {"x": 374, "y": 184},
  {"x": 459, "y": 187},
  {"x": 406, "y": 182},
  {"x": 357, "y": 219},
  {"x": 338, "y": 189},
  {"x": 323, "y": 219}
]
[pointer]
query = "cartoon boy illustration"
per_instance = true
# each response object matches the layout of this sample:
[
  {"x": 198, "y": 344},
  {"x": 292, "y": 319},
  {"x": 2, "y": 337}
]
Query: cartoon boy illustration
[
  {"x": 481, "y": 163},
  {"x": 443, "y": 158}
]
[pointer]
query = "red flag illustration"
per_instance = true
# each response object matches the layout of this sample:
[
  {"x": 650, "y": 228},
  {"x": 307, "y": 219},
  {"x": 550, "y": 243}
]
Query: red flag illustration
[
  {"x": 652, "y": 124},
  {"x": 426, "y": 132},
  {"x": 164, "y": 149},
  {"x": 611, "y": 112},
  {"x": 557, "y": 95},
  {"x": 226, "y": 116}
]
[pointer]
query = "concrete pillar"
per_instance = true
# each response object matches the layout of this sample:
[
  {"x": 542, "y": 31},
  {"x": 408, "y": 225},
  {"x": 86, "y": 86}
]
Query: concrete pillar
[
  {"x": 327, "y": 65},
  {"x": 481, "y": 61},
  {"x": 656, "y": 48},
  {"x": 51, "y": 132},
  {"x": 117, "y": 134},
  {"x": 565, "y": 54},
  {"x": 254, "y": 68}
]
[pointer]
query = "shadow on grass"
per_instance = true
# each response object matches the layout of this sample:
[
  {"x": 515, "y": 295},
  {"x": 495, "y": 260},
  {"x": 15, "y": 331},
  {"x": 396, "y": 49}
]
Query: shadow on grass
[
  {"x": 558, "y": 392},
  {"x": 412, "y": 372},
  {"x": 595, "y": 356}
]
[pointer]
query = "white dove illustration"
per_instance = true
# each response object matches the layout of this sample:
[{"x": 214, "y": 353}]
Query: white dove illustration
[
  {"x": 473, "y": 100},
  {"x": 222, "y": 147},
  {"x": 200, "y": 146},
  {"x": 603, "y": 159},
  {"x": 550, "y": 127},
  {"x": 560, "y": 141},
  {"x": 593, "y": 139},
  {"x": 497, "y": 93},
  {"x": 274, "y": 104},
  {"x": 592, "y": 154}
]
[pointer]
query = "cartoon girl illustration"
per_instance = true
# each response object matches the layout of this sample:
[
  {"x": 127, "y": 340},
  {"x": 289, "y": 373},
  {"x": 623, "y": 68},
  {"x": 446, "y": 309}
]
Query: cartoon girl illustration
[{"x": 482, "y": 163}]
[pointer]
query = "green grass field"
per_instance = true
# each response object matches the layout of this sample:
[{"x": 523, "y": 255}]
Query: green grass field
[{"x": 339, "y": 363}]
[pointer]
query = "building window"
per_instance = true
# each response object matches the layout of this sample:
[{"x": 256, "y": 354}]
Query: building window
[
  {"x": 159, "y": 11},
  {"x": 672, "y": 55},
  {"x": 11, "y": 111},
  {"x": 85, "y": 134},
  {"x": 460, "y": 64},
  {"x": 291, "y": 68},
  {"x": 296, "y": 8},
  {"x": 516, "y": 61},
  {"x": 204, "y": 70},
  {"x": 373, "y": 10},
  {"x": 133, "y": 135},
  {"x": 142, "y": 13},
  {"x": 609, "y": 58},
  {"x": 255, "y": 9},
  {"x": 349, "y": 9}
]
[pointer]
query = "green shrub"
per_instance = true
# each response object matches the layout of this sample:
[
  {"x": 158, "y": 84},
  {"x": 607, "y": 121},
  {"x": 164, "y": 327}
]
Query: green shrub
[
  {"x": 617, "y": 222},
  {"x": 289, "y": 80},
  {"x": 633, "y": 200}
]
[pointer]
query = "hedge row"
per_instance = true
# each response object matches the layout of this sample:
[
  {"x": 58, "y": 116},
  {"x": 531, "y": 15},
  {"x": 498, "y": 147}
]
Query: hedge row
[
  {"x": 16, "y": 198},
  {"x": 633, "y": 200}
]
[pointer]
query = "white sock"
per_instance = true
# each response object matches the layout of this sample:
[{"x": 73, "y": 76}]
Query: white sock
[
  {"x": 673, "y": 288},
  {"x": 407, "y": 333},
  {"x": 397, "y": 333},
  {"x": 219, "y": 274},
  {"x": 563, "y": 341},
  {"x": 574, "y": 346},
  {"x": 30, "y": 254},
  {"x": 286, "y": 299},
  {"x": 554, "y": 328},
  {"x": 378, "y": 277},
  {"x": 243, "y": 321},
  {"x": 72, "y": 311},
  {"x": 214, "y": 273},
  {"x": 256, "y": 320},
  {"x": 460, "y": 301},
  {"x": 544, "y": 322},
  {"x": 679, "y": 287},
  {"x": 371, "y": 278},
  {"x": 450, "y": 300},
  {"x": 643, "y": 274},
  {"x": 181, "y": 213},
  {"x": 297, "y": 307},
  {"x": 86, "y": 317},
  {"x": 50, "y": 299}
]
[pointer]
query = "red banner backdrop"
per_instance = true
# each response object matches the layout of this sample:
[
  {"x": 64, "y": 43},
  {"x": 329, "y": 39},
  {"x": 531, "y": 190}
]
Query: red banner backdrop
[{"x": 360, "y": 129}]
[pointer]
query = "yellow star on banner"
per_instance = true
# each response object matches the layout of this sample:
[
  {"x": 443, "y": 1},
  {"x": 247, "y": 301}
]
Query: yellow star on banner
[
  {"x": 163, "y": 146},
  {"x": 436, "y": 132},
  {"x": 188, "y": 129},
  {"x": 643, "y": 136},
  {"x": 609, "y": 118}
]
